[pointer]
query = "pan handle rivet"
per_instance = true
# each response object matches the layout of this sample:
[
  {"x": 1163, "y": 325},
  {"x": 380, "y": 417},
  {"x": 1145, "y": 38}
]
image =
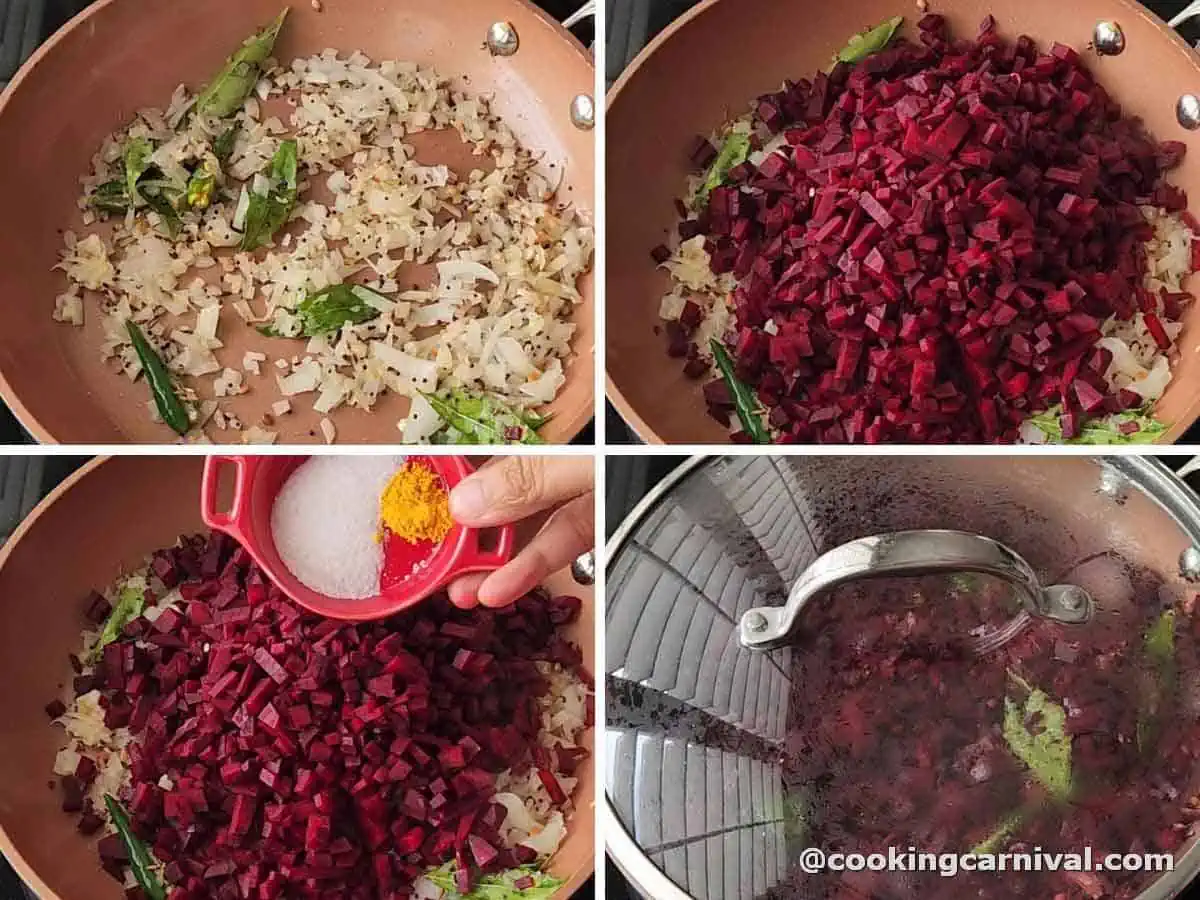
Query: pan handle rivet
[
  {"x": 1187, "y": 111},
  {"x": 1189, "y": 564},
  {"x": 502, "y": 39},
  {"x": 1108, "y": 38},
  {"x": 756, "y": 622},
  {"x": 583, "y": 570},
  {"x": 583, "y": 112}
]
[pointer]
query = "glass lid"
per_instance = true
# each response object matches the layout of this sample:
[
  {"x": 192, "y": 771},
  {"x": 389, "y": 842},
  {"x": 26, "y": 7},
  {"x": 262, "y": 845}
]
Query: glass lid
[{"x": 880, "y": 720}]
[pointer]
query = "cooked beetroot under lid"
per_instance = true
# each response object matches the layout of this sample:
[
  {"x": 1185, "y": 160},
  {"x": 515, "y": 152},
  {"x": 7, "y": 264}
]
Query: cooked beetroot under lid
[{"x": 898, "y": 737}]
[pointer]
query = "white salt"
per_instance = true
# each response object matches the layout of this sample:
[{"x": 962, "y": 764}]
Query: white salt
[{"x": 325, "y": 522}]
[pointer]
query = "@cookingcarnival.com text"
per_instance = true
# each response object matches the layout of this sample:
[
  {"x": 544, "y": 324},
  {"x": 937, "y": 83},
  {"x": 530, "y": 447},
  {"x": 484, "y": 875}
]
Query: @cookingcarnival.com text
[{"x": 814, "y": 860}]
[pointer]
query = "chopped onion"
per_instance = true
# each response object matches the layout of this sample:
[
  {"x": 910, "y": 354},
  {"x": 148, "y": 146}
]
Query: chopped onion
[
  {"x": 465, "y": 269},
  {"x": 239, "y": 212}
]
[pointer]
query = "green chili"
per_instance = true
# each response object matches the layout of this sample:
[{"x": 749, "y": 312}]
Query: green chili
[
  {"x": 200, "y": 187},
  {"x": 170, "y": 407},
  {"x": 141, "y": 863},
  {"x": 870, "y": 41},
  {"x": 744, "y": 400},
  {"x": 229, "y": 89}
]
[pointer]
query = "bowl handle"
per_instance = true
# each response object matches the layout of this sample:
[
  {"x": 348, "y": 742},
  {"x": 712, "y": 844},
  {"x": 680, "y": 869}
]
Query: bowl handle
[
  {"x": 234, "y": 521},
  {"x": 474, "y": 558}
]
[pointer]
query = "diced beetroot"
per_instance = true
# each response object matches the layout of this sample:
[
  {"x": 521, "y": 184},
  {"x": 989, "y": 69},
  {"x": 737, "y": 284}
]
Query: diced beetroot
[
  {"x": 483, "y": 852},
  {"x": 73, "y": 793},
  {"x": 90, "y": 822},
  {"x": 86, "y": 770},
  {"x": 702, "y": 153},
  {"x": 553, "y": 788},
  {"x": 970, "y": 196},
  {"x": 1155, "y": 327},
  {"x": 947, "y": 137},
  {"x": 97, "y": 608},
  {"x": 1089, "y": 398},
  {"x": 112, "y": 849},
  {"x": 293, "y": 745}
]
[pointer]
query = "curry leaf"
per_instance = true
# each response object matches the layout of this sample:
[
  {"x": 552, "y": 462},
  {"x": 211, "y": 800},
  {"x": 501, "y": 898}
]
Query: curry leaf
[
  {"x": 131, "y": 601},
  {"x": 328, "y": 309},
  {"x": 230, "y": 87},
  {"x": 966, "y": 582},
  {"x": 734, "y": 152},
  {"x": 1036, "y": 733},
  {"x": 269, "y": 209},
  {"x": 1159, "y": 644},
  {"x": 1160, "y": 641},
  {"x": 1101, "y": 431},
  {"x": 162, "y": 200},
  {"x": 501, "y": 886},
  {"x": 1006, "y": 829},
  {"x": 136, "y": 159},
  {"x": 222, "y": 146},
  {"x": 481, "y": 419},
  {"x": 860, "y": 46}
]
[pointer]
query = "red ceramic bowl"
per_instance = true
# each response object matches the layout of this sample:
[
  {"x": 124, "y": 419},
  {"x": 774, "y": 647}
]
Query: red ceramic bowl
[{"x": 257, "y": 482}]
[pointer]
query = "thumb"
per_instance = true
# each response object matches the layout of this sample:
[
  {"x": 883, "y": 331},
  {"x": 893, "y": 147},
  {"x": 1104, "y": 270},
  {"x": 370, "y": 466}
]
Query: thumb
[{"x": 515, "y": 487}]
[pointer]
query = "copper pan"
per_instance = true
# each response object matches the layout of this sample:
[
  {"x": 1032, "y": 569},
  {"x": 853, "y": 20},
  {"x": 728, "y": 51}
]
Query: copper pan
[
  {"x": 713, "y": 61},
  {"x": 104, "y": 520},
  {"x": 119, "y": 56}
]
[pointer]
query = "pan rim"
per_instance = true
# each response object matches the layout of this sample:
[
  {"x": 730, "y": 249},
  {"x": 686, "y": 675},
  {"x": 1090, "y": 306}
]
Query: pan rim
[
  {"x": 41, "y": 434},
  {"x": 648, "y": 434},
  {"x": 579, "y": 819},
  {"x": 28, "y": 875}
]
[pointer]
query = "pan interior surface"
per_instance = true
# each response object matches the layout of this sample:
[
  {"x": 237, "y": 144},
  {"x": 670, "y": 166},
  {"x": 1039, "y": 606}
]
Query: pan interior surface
[
  {"x": 103, "y": 521},
  {"x": 713, "y": 62},
  {"x": 117, "y": 58}
]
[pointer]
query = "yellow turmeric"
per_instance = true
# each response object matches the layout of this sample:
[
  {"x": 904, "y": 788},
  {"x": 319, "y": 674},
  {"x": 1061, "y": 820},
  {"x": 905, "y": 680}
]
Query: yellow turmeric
[{"x": 414, "y": 506}]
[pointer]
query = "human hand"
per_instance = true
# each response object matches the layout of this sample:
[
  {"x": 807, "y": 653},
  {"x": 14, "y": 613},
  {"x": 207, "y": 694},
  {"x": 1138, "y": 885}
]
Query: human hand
[{"x": 509, "y": 489}]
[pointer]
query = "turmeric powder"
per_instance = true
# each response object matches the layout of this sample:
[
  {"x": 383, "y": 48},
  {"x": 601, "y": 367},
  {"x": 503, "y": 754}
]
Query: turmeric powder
[{"x": 414, "y": 506}]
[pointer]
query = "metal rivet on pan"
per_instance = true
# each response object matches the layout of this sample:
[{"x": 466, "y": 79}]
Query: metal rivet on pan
[
  {"x": 1072, "y": 599},
  {"x": 1189, "y": 564},
  {"x": 756, "y": 622},
  {"x": 583, "y": 112},
  {"x": 1108, "y": 38},
  {"x": 1112, "y": 486},
  {"x": 584, "y": 568},
  {"x": 1187, "y": 111},
  {"x": 502, "y": 39}
]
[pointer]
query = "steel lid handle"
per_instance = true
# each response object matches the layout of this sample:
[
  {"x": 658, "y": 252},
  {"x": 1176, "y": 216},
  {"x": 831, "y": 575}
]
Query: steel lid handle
[
  {"x": 1188, "y": 12},
  {"x": 922, "y": 552}
]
